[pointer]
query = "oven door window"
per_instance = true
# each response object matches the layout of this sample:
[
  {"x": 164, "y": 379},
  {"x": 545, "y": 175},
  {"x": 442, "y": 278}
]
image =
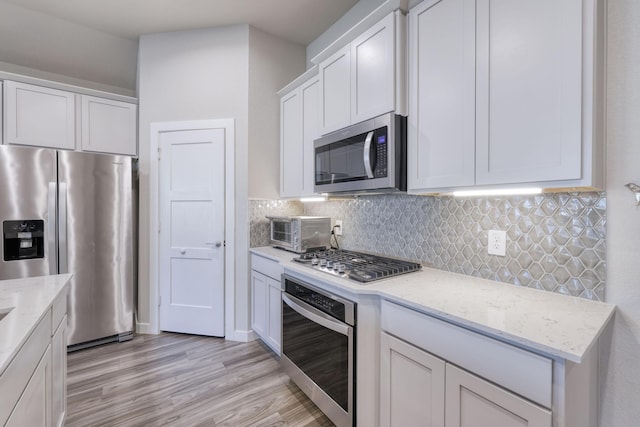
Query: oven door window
[{"x": 322, "y": 354}]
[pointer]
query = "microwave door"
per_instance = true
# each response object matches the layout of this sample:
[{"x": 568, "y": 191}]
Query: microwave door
[{"x": 342, "y": 161}]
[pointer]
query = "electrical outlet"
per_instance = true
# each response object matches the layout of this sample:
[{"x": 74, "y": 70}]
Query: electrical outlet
[
  {"x": 497, "y": 243},
  {"x": 338, "y": 227}
]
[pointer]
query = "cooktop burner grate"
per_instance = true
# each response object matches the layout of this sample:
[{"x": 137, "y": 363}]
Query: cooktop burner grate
[{"x": 355, "y": 265}]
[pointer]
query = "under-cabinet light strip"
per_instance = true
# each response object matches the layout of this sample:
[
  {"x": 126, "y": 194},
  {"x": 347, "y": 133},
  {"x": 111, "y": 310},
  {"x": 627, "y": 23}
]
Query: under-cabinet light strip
[
  {"x": 497, "y": 192},
  {"x": 313, "y": 199}
]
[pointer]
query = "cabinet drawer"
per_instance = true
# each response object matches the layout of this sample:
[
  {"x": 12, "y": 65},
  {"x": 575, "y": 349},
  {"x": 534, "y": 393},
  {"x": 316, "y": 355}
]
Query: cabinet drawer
[
  {"x": 266, "y": 266},
  {"x": 523, "y": 372}
]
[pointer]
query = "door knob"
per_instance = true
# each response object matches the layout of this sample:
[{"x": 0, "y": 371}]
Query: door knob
[
  {"x": 183, "y": 251},
  {"x": 218, "y": 244}
]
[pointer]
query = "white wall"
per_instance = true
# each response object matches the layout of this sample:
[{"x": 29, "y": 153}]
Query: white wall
[
  {"x": 359, "y": 11},
  {"x": 273, "y": 63},
  {"x": 33, "y": 42},
  {"x": 620, "y": 363},
  {"x": 226, "y": 72},
  {"x": 191, "y": 75}
]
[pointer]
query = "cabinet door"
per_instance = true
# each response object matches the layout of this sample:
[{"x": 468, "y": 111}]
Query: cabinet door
[
  {"x": 59, "y": 383},
  {"x": 311, "y": 130},
  {"x": 290, "y": 144},
  {"x": 39, "y": 116},
  {"x": 373, "y": 76},
  {"x": 529, "y": 82},
  {"x": 275, "y": 315},
  {"x": 441, "y": 137},
  {"x": 474, "y": 402},
  {"x": 34, "y": 406},
  {"x": 335, "y": 91},
  {"x": 259, "y": 294},
  {"x": 108, "y": 126},
  {"x": 411, "y": 385}
]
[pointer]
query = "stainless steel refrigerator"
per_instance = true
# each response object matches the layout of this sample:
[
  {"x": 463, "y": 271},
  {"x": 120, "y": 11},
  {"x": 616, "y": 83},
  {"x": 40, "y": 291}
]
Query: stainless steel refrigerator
[{"x": 72, "y": 212}]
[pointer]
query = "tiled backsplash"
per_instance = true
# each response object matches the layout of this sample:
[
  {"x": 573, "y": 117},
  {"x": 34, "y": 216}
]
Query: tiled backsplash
[{"x": 555, "y": 241}]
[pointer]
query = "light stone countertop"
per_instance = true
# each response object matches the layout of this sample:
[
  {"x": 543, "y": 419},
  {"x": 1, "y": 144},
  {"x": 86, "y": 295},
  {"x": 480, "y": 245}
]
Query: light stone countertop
[
  {"x": 557, "y": 325},
  {"x": 30, "y": 298}
]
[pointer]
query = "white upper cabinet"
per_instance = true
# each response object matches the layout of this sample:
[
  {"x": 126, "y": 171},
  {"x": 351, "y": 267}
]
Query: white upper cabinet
[
  {"x": 299, "y": 127},
  {"x": 310, "y": 131},
  {"x": 108, "y": 126},
  {"x": 373, "y": 71},
  {"x": 38, "y": 116},
  {"x": 290, "y": 144},
  {"x": 335, "y": 90},
  {"x": 366, "y": 78},
  {"x": 506, "y": 94},
  {"x": 529, "y": 91},
  {"x": 441, "y": 149},
  {"x": 51, "y": 117}
]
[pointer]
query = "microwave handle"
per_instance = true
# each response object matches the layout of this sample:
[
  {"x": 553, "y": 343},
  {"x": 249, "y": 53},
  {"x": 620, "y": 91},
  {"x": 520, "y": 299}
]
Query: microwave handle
[{"x": 367, "y": 155}]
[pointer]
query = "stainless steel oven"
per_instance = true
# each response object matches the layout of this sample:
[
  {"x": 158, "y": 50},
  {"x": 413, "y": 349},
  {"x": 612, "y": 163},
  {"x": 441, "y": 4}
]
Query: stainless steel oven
[{"x": 318, "y": 347}]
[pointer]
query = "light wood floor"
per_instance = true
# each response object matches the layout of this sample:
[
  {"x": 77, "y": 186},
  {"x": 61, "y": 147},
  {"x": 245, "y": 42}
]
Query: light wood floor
[{"x": 183, "y": 380}]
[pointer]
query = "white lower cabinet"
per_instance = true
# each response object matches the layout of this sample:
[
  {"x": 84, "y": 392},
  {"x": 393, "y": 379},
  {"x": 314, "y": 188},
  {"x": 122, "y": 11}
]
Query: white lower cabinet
[
  {"x": 33, "y": 408},
  {"x": 474, "y": 402},
  {"x": 412, "y": 384},
  {"x": 266, "y": 301},
  {"x": 435, "y": 373},
  {"x": 419, "y": 389},
  {"x": 34, "y": 385},
  {"x": 59, "y": 372}
]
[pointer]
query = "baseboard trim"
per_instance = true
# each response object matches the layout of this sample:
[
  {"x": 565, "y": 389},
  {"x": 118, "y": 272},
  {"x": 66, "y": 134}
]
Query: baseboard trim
[
  {"x": 242, "y": 336},
  {"x": 145, "y": 328}
]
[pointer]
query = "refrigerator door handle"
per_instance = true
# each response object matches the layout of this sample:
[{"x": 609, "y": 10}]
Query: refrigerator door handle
[
  {"x": 62, "y": 228},
  {"x": 52, "y": 219}
]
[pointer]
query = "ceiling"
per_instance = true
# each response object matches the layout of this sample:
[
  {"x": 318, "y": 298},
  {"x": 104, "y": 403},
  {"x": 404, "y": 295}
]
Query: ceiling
[{"x": 299, "y": 21}]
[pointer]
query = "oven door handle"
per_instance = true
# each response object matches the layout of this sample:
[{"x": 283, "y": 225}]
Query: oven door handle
[{"x": 316, "y": 315}]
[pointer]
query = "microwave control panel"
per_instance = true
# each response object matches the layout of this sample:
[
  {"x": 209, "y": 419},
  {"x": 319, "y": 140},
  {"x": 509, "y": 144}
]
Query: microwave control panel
[{"x": 381, "y": 156}]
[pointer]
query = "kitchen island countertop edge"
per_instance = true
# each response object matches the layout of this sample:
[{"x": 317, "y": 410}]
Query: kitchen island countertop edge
[{"x": 28, "y": 299}]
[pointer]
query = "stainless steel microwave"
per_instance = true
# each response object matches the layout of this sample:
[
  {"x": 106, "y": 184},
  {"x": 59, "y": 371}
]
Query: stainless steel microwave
[
  {"x": 368, "y": 157},
  {"x": 300, "y": 233}
]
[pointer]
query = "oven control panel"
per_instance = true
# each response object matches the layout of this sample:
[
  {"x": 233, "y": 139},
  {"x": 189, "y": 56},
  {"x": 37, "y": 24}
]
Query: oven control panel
[{"x": 333, "y": 306}]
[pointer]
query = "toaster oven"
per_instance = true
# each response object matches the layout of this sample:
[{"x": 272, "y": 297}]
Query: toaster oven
[{"x": 300, "y": 233}]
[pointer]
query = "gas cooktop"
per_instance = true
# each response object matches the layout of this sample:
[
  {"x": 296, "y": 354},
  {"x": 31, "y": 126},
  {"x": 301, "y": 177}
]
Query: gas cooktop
[{"x": 355, "y": 265}]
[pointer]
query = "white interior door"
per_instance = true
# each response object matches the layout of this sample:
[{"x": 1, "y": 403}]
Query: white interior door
[{"x": 192, "y": 231}]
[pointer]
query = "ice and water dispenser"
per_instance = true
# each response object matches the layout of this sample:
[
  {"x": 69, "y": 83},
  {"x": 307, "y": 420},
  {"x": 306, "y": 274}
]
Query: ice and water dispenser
[{"x": 23, "y": 239}]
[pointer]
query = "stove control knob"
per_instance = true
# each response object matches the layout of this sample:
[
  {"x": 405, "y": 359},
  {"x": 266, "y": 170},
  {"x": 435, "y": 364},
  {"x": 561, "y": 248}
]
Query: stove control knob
[
  {"x": 323, "y": 262},
  {"x": 329, "y": 264},
  {"x": 341, "y": 269},
  {"x": 314, "y": 261}
]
